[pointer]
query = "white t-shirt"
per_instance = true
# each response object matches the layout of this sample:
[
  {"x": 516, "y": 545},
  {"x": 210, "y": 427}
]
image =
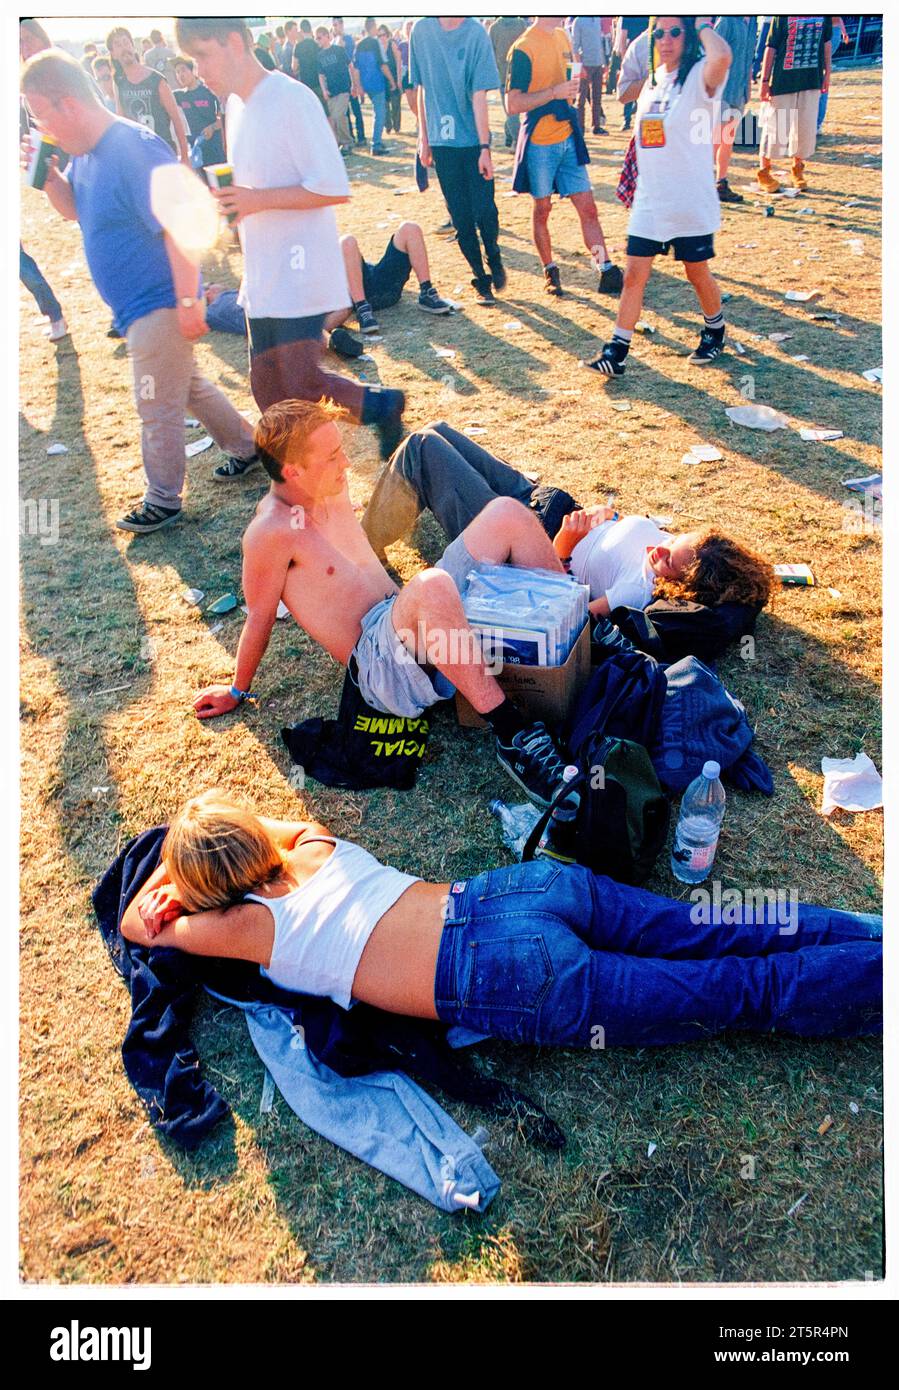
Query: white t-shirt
[
  {"x": 293, "y": 266},
  {"x": 676, "y": 193},
  {"x": 612, "y": 560}
]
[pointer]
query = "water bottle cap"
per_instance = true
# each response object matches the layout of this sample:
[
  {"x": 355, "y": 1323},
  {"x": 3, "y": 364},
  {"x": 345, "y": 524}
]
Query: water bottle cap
[
  {"x": 569, "y": 773},
  {"x": 711, "y": 770}
]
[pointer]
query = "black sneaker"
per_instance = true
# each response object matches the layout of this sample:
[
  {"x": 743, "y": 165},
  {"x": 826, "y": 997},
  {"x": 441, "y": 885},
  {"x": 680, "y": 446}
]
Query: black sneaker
[
  {"x": 430, "y": 301},
  {"x": 611, "y": 280},
  {"x": 389, "y": 425},
  {"x": 366, "y": 319},
  {"x": 610, "y": 361},
  {"x": 533, "y": 761},
  {"x": 498, "y": 275},
  {"x": 600, "y": 130},
  {"x": 726, "y": 194},
  {"x": 341, "y": 341},
  {"x": 481, "y": 284},
  {"x": 113, "y": 332},
  {"x": 711, "y": 345},
  {"x": 148, "y": 518},
  {"x": 552, "y": 281},
  {"x": 234, "y": 468}
]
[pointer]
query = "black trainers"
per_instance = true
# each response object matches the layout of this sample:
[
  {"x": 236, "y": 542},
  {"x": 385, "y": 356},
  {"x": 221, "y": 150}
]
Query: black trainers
[
  {"x": 366, "y": 319},
  {"x": 600, "y": 130},
  {"x": 481, "y": 284},
  {"x": 498, "y": 275},
  {"x": 610, "y": 361},
  {"x": 533, "y": 761},
  {"x": 430, "y": 301},
  {"x": 711, "y": 345},
  {"x": 726, "y": 194},
  {"x": 552, "y": 280},
  {"x": 611, "y": 280},
  {"x": 234, "y": 468},
  {"x": 148, "y": 518},
  {"x": 341, "y": 341}
]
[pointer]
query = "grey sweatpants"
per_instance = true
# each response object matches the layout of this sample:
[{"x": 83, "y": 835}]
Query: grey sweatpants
[
  {"x": 440, "y": 469},
  {"x": 166, "y": 383}
]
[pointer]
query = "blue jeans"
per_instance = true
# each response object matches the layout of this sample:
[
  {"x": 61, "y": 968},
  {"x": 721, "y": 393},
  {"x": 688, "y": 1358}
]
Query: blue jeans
[
  {"x": 34, "y": 282},
  {"x": 379, "y": 108},
  {"x": 822, "y": 108},
  {"x": 553, "y": 954}
]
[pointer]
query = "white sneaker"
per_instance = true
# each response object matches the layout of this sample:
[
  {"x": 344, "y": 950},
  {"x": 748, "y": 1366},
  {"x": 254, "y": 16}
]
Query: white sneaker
[{"x": 58, "y": 329}]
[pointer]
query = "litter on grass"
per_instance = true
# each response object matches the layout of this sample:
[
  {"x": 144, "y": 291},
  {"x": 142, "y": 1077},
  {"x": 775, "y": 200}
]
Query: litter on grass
[
  {"x": 226, "y": 604},
  {"x": 444, "y": 352},
  {"x": 796, "y": 1205},
  {"x": 643, "y": 327},
  {"x": 199, "y": 446},
  {"x": 757, "y": 417},
  {"x": 802, "y": 296},
  {"x": 852, "y": 784},
  {"x": 57, "y": 449},
  {"x": 190, "y": 423},
  {"x": 820, "y": 435},
  {"x": 835, "y": 593},
  {"x": 739, "y": 349},
  {"x": 873, "y": 484},
  {"x": 874, "y": 374},
  {"x": 799, "y": 575},
  {"x": 473, "y": 431},
  {"x": 512, "y": 325},
  {"x": 799, "y": 357},
  {"x": 621, "y": 405},
  {"x": 193, "y": 596},
  {"x": 702, "y": 453},
  {"x": 816, "y": 436},
  {"x": 779, "y": 337},
  {"x": 825, "y": 1124},
  {"x": 651, "y": 1150}
]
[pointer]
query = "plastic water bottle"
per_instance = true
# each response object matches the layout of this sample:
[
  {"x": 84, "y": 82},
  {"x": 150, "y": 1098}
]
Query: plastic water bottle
[
  {"x": 516, "y": 823},
  {"x": 557, "y": 840},
  {"x": 699, "y": 825}
]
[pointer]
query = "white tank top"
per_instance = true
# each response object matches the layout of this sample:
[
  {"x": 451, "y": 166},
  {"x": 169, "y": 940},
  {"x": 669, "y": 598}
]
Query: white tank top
[{"x": 322, "y": 927}]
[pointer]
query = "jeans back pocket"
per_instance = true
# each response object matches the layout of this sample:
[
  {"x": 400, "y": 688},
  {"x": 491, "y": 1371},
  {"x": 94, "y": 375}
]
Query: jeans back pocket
[{"x": 508, "y": 973}]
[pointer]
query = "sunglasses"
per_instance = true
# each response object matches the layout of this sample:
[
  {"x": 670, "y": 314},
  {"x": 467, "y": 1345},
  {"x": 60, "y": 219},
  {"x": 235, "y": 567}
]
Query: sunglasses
[{"x": 674, "y": 32}]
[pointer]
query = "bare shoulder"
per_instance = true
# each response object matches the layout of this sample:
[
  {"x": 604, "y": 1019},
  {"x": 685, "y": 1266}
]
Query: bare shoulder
[{"x": 272, "y": 525}]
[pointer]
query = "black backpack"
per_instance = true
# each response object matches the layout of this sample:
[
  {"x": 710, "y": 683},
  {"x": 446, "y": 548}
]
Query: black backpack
[{"x": 622, "y": 819}]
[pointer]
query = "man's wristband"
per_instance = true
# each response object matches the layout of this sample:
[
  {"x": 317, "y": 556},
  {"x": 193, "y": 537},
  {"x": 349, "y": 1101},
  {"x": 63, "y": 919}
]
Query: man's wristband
[
  {"x": 241, "y": 695},
  {"x": 485, "y": 147}
]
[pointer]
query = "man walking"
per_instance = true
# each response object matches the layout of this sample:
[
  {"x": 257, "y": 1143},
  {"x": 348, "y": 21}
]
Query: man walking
[
  {"x": 588, "y": 44},
  {"x": 288, "y": 178},
  {"x": 201, "y": 112},
  {"x": 335, "y": 83},
  {"x": 453, "y": 68},
  {"x": 551, "y": 155},
  {"x": 144, "y": 94},
  {"x": 738, "y": 31},
  {"x": 152, "y": 288},
  {"x": 503, "y": 32},
  {"x": 340, "y": 36},
  {"x": 795, "y": 71},
  {"x": 376, "y": 79}
]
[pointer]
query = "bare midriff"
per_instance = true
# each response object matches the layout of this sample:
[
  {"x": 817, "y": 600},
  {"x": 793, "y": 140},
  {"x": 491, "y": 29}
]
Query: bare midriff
[{"x": 397, "y": 968}]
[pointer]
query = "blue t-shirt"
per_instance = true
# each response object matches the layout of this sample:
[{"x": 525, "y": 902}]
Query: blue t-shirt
[
  {"x": 123, "y": 241},
  {"x": 451, "y": 64},
  {"x": 368, "y": 59}
]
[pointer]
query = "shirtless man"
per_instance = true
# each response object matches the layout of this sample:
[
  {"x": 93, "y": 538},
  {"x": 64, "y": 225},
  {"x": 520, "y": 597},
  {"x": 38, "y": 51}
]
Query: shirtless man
[{"x": 406, "y": 648}]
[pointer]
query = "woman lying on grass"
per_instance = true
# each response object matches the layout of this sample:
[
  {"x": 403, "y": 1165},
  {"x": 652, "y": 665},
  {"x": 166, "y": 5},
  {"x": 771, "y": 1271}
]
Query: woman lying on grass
[{"x": 536, "y": 953}]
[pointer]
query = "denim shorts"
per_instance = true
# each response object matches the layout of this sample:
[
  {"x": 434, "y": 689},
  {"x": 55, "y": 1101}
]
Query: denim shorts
[
  {"x": 383, "y": 283},
  {"x": 554, "y": 954},
  {"x": 554, "y": 168},
  {"x": 388, "y": 676}
]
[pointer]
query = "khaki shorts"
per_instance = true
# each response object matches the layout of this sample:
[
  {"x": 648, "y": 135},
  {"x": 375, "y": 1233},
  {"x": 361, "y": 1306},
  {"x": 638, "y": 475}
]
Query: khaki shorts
[{"x": 789, "y": 125}]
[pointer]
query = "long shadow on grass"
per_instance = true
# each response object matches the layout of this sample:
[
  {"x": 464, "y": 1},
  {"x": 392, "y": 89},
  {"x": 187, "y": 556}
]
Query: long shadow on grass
[{"x": 82, "y": 617}]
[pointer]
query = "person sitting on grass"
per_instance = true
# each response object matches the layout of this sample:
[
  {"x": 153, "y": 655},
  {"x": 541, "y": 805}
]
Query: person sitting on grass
[
  {"x": 380, "y": 286},
  {"x": 405, "y": 648},
  {"x": 625, "y": 561},
  {"x": 676, "y": 204},
  {"x": 538, "y": 953}
]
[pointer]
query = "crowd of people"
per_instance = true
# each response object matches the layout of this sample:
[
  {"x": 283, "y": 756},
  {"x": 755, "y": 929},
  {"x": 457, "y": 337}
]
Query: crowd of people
[{"x": 287, "y": 110}]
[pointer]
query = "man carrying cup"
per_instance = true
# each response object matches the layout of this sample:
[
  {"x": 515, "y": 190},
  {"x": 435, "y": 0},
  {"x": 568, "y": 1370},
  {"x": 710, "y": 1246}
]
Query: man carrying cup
[{"x": 551, "y": 154}]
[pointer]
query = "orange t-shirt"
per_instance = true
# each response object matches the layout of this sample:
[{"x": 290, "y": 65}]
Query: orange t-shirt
[{"x": 537, "y": 60}]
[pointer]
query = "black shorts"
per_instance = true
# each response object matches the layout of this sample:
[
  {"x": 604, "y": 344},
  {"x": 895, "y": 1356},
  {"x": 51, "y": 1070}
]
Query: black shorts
[
  {"x": 686, "y": 248},
  {"x": 384, "y": 283},
  {"x": 265, "y": 334}
]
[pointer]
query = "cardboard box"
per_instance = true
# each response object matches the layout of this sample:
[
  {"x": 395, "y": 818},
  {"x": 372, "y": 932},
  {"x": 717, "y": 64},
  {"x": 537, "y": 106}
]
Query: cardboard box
[{"x": 542, "y": 692}]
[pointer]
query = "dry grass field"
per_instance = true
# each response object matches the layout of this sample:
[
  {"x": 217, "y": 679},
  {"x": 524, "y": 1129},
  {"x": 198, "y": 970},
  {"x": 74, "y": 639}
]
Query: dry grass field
[{"x": 111, "y": 656}]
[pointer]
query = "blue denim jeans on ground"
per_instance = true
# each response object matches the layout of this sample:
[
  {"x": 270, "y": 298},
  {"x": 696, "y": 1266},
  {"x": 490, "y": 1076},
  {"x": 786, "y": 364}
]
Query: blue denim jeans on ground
[
  {"x": 35, "y": 283},
  {"x": 379, "y": 108},
  {"x": 549, "y": 954}
]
